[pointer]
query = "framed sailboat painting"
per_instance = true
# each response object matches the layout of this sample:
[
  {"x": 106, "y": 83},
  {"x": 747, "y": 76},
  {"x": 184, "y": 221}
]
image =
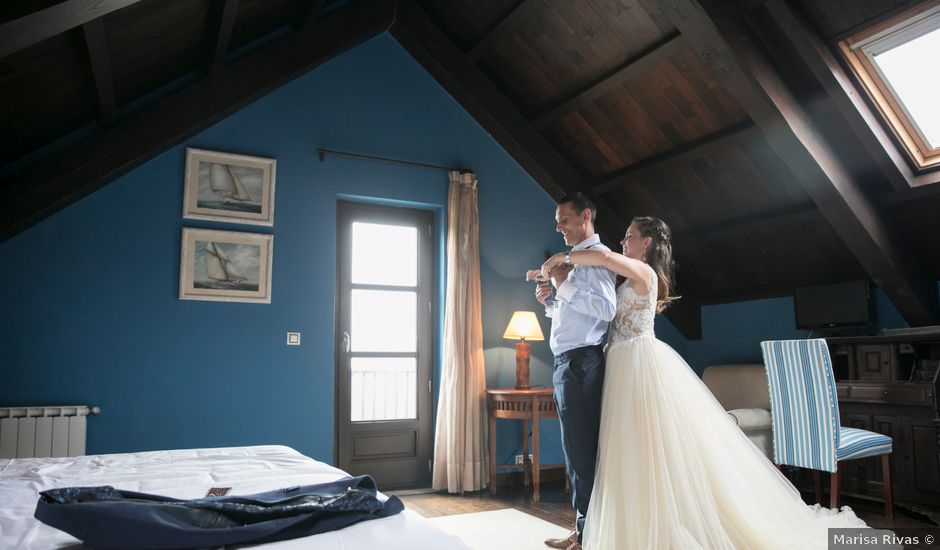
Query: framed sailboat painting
[
  {"x": 225, "y": 266},
  {"x": 228, "y": 188}
]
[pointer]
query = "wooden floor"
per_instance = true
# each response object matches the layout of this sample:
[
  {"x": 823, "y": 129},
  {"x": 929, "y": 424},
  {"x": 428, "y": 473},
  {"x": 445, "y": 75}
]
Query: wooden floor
[{"x": 555, "y": 506}]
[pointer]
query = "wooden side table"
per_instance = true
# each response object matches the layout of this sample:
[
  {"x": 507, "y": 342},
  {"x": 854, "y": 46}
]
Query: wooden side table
[{"x": 525, "y": 405}]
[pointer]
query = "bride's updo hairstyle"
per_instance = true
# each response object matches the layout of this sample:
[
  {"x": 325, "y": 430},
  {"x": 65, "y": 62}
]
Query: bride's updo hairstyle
[{"x": 659, "y": 256}]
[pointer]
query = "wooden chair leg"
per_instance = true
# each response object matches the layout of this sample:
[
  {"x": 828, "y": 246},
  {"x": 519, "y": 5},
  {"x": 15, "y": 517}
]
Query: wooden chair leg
[
  {"x": 834, "y": 489},
  {"x": 817, "y": 485},
  {"x": 888, "y": 487}
]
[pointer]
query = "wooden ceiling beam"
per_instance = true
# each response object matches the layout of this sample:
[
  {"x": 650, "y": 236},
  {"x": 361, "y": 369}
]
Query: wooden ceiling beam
[
  {"x": 437, "y": 53},
  {"x": 494, "y": 110},
  {"x": 788, "y": 215},
  {"x": 640, "y": 62},
  {"x": 221, "y": 21},
  {"x": 490, "y": 107},
  {"x": 519, "y": 14},
  {"x": 685, "y": 313},
  {"x": 52, "y": 21},
  {"x": 720, "y": 37},
  {"x": 48, "y": 186},
  {"x": 747, "y": 292},
  {"x": 96, "y": 48},
  {"x": 306, "y": 13},
  {"x": 907, "y": 195},
  {"x": 744, "y": 132},
  {"x": 884, "y": 13},
  {"x": 848, "y": 99}
]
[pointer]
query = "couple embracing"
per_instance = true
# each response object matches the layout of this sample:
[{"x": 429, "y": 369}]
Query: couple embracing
[{"x": 654, "y": 460}]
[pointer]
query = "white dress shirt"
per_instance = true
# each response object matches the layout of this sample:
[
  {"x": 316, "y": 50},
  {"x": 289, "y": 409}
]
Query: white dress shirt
[{"x": 582, "y": 307}]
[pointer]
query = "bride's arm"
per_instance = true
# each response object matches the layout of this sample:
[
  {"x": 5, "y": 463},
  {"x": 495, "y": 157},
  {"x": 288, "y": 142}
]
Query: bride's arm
[{"x": 639, "y": 272}]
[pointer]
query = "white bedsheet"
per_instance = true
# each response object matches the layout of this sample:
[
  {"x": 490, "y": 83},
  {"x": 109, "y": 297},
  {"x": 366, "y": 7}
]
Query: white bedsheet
[{"x": 189, "y": 474}]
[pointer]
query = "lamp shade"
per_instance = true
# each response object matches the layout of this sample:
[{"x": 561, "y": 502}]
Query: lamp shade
[{"x": 523, "y": 326}]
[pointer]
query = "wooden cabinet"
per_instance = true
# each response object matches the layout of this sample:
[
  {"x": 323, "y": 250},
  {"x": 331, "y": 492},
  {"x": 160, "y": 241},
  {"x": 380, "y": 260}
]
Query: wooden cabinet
[
  {"x": 864, "y": 476},
  {"x": 876, "y": 362},
  {"x": 923, "y": 474},
  {"x": 874, "y": 391}
]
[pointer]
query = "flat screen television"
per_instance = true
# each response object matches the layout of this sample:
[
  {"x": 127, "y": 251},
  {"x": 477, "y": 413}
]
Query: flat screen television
[{"x": 833, "y": 307}]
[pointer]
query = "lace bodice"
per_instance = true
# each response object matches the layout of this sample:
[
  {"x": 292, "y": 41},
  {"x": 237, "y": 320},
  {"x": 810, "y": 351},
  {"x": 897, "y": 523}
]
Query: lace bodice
[{"x": 635, "y": 312}]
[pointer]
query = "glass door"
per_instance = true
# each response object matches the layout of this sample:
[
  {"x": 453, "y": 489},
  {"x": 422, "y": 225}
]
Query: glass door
[{"x": 383, "y": 366}]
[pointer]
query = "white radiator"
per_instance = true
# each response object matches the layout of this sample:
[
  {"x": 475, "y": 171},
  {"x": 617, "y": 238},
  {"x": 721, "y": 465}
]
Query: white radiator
[{"x": 43, "y": 431}]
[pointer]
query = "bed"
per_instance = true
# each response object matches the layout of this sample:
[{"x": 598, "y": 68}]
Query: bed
[{"x": 189, "y": 474}]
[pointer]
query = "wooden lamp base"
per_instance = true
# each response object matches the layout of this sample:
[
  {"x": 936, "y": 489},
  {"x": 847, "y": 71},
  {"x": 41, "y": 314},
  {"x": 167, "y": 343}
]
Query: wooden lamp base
[{"x": 522, "y": 366}]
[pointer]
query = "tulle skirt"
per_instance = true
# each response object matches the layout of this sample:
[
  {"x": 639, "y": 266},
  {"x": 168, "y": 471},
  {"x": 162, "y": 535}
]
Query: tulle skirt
[{"x": 674, "y": 470}]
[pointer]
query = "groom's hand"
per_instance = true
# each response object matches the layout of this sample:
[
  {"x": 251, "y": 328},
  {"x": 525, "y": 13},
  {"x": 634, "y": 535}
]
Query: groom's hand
[
  {"x": 543, "y": 292},
  {"x": 534, "y": 275},
  {"x": 559, "y": 274}
]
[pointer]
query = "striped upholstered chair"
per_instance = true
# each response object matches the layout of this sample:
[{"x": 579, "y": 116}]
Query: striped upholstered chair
[{"x": 805, "y": 414}]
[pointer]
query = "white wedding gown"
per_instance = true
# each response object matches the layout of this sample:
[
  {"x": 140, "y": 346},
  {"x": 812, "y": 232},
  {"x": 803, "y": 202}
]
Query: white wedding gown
[{"x": 673, "y": 470}]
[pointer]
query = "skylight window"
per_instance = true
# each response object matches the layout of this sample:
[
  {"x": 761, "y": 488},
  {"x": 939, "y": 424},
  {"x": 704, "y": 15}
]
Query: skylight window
[
  {"x": 916, "y": 88},
  {"x": 895, "y": 62}
]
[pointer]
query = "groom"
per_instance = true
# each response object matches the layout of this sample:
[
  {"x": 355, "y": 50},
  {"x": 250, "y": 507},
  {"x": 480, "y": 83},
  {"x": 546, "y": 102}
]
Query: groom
[{"x": 581, "y": 305}]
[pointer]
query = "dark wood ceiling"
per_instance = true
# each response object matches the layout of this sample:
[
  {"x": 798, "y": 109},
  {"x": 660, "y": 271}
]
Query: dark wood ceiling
[{"x": 734, "y": 121}]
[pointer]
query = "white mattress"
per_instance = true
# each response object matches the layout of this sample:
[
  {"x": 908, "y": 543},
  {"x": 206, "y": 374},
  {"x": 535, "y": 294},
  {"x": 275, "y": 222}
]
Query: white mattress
[{"x": 189, "y": 474}]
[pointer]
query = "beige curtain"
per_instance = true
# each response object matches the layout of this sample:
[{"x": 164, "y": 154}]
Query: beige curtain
[{"x": 460, "y": 440}]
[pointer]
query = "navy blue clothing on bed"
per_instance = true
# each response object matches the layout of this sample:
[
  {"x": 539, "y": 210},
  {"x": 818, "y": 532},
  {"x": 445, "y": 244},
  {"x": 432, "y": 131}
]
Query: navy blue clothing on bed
[{"x": 108, "y": 518}]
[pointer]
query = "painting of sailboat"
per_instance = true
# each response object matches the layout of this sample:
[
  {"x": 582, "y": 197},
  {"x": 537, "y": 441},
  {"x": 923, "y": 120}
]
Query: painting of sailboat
[
  {"x": 229, "y": 187},
  {"x": 217, "y": 269},
  {"x": 225, "y": 266}
]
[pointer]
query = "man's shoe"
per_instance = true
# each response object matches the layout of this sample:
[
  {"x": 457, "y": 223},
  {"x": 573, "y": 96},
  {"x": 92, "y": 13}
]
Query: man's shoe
[
  {"x": 565, "y": 542},
  {"x": 575, "y": 546}
]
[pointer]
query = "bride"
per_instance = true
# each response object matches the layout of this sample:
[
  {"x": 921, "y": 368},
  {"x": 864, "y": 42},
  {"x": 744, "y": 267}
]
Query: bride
[{"x": 673, "y": 470}]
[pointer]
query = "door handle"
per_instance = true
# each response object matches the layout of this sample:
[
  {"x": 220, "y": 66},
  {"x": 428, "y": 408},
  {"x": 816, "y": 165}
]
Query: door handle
[{"x": 346, "y": 342}]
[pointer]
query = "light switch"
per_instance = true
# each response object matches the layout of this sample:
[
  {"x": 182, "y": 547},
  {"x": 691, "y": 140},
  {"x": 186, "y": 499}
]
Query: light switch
[{"x": 293, "y": 338}]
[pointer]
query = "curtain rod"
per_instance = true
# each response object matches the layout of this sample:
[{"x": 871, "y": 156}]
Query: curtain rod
[{"x": 323, "y": 152}]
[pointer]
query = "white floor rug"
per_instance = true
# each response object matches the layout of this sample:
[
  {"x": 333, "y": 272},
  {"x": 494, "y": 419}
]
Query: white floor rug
[{"x": 507, "y": 529}]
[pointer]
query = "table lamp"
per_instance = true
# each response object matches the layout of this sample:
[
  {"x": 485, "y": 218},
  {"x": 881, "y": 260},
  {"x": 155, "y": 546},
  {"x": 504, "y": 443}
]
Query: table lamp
[{"x": 523, "y": 326}]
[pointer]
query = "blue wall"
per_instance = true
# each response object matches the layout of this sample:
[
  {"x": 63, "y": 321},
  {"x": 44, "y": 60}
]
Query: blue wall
[
  {"x": 732, "y": 333},
  {"x": 90, "y": 311}
]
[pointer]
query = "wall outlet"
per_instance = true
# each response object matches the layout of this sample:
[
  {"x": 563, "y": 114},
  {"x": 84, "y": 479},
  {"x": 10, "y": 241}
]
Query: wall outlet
[{"x": 519, "y": 461}]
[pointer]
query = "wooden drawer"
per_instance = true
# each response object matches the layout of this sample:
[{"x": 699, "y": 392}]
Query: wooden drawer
[
  {"x": 843, "y": 391},
  {"x": 899, "y": 394}
]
